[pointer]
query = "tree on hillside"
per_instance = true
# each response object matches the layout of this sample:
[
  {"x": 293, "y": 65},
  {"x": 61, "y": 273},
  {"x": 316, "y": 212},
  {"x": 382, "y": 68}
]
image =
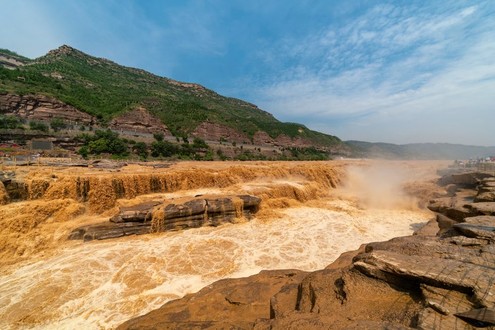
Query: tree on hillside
[
  {"x": 158, "y": 136},
  {"x": 163, "y": 148},
  {"x": 38, "y": 126},
  {"x": 103, "y": 142},
  {"x": 141, "y": 149},
  {"x": 57, "y": 124},
  {"x": 199, "y": 143},
  {"x": 10, "y": 122}
]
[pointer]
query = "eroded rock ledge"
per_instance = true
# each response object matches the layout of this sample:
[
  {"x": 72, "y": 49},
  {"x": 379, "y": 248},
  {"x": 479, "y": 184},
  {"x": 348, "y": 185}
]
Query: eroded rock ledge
[
  {"x": 40, "y": 107},
  {"x": 444, "y": 280},
  {"x": 157, "y": 216}
]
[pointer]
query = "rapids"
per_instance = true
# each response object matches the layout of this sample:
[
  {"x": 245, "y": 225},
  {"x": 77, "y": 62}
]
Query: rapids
[{"x": 99, "y": 285}]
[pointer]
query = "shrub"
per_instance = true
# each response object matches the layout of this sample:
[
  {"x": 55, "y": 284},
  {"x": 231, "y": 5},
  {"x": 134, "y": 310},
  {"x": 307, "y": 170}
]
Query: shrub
[
  {"x": 57, "y": 124},
  {"x": 38, "y": 126}
]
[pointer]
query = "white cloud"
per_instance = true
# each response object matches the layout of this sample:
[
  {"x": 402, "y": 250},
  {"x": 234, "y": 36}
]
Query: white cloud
[{"x": 383, "y": 74}]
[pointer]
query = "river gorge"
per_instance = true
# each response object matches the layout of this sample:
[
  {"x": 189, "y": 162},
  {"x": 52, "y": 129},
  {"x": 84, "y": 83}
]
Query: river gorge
[{"x": 310, "y": 213}]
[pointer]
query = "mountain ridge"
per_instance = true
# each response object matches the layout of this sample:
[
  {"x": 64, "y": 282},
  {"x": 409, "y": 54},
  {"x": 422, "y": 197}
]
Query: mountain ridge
[
  {"x": 108, "y": 92},
  {"x": 105, "y": 89},
  {"x": 420, "y": 150}
]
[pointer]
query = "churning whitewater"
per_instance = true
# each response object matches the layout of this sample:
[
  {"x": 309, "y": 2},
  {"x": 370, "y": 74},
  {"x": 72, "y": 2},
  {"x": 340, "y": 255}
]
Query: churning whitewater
[{"x": 104, "y": 283}]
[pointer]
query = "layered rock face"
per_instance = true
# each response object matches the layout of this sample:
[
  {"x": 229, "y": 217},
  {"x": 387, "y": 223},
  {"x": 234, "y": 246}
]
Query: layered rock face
[
  {"x": 486, "y": 191},
  {"x": 40, "y": 107},
  {"x": 216, "y": 132},
  {"x": 9, "y": 62},
  {"x": 139, "y": 120},
  {"x": 262, "y": 138},
  {"x": 158, "y": 216},
  {"x": 441, "y": 278}
]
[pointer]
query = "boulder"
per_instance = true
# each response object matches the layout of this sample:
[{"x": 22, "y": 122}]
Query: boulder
[
  {"x": 469, "y": 179},
  {"x": 156, "y": 216}
]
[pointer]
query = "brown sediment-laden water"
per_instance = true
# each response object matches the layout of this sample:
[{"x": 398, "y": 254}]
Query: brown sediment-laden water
[{"x": 310, "y": 213}]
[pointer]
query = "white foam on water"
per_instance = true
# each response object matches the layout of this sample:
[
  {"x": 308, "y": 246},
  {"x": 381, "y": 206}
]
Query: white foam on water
[{"x": 99, "y": 285}]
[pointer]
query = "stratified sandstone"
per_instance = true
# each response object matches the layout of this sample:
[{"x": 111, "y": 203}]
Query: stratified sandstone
[
  {"x": 158, "y": 216},
  {"x": 139, "y": 120},
  {"x": 40, "y": 107},
  {"x": 486, "y": 191},
  {"x": 216, "y": 132},
  {"x": 226, "y": 304}
]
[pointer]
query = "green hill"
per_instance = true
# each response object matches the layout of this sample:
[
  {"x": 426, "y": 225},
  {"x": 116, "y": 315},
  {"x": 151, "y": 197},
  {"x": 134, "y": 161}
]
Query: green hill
[
  {"x": 105, "y": 89},
  {"x": 419, "y": 150}
]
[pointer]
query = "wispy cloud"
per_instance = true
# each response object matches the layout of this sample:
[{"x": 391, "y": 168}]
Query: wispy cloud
[
  {"x": 389, "y": 63},
  {"x": 358, "y": 70}
]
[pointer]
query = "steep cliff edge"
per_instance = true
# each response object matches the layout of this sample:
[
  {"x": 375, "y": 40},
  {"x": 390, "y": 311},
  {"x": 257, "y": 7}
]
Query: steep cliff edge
[{"x": 432, "y": 280}]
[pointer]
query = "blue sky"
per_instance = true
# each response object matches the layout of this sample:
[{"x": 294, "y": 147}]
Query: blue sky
[{"x": 389, "y": 71}]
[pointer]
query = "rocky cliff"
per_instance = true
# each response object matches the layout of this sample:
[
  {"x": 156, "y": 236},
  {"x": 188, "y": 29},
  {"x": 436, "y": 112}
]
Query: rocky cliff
[
  {"x": 440, "y": 278},
  {"x": 139, "y": 120},
  {"x": 216, "y": 132},
  {"x": 40, "y": 107},
  {"x": 10, "y": 62}
]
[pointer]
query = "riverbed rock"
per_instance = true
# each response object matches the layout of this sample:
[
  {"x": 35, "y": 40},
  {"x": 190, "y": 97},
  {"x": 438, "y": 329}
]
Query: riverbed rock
[
  {"x": 138, "y": 213},
  {"x": 208, "y": 211},
  {"x": 482, "y": 208},
  {"x": 486, "y": 191},
  {"x": 157, "y": 216},
  {"x": 16, "y": 189},
  {"x": 226, "y": 304},
  {"x": 469, "y": 179},
  {"x": 107, "y": 164},
  {"x": 487, "y": 196}
]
